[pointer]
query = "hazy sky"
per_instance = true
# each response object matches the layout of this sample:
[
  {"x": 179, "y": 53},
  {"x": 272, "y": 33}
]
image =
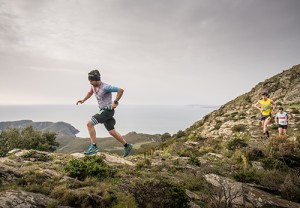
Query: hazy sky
[{"x": 159, "y": 51}]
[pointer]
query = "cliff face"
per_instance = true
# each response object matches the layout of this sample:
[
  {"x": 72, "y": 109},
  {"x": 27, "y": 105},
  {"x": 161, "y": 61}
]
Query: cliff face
[
  {"x": 284, "y": 90},
  {"x": 61, "y": 128}
]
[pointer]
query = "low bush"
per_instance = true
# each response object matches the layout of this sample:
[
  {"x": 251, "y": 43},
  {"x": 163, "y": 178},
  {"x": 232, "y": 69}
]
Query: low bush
[
  {"x": 159, "y": 193},
  {"x": 290, "y": 188},
  {"x": 236, "y": 143},
  {"x": 179, "y": 134},
  {"x": 143, "y": 163},
  {"x": 295, "y": 111},
  {"x": 28, "y": 138},
  {"x": 246, "y": 176},
  {"x": 93, "y": 166},
  {"x": 273, "y": 163},
  {"x": 193, "y": 160},
  {"x": 254, "y": 154},
  {"x": 188, "y": 152},
  {"x": 165, "y": 136},
  {"x": 37, "y": 182},
  {"x": 95, "y": 197},
  {"x": 239, "y": 128}
]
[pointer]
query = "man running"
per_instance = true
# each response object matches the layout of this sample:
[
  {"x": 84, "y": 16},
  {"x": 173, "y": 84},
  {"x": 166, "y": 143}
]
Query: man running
[
  {"x": 281, "y": 120},
  {"x": 264, "y": 105},
  {"x": 103, "y": 93}
]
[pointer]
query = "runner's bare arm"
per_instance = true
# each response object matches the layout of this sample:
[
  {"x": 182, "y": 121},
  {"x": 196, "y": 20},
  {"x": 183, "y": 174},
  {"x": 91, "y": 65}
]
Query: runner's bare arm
[
  {"x": 256, "y": 106},
  {"x": 118, "y": 97},
  {"x": 88, "y": 95}
]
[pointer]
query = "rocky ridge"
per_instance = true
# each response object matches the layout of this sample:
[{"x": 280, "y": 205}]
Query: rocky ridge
[{"x": 62, "y": 128}]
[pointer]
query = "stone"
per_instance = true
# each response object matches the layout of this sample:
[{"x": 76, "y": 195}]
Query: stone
[
  {"x": 215, "y": 155},
  {"x": 243, "y": 192},
  {"x": 8, "y": 174},
  {"x": 14, "y": 151},
  {"x": 193, "y": 205},
  {"x": 192, "y": 195},
  {"x": 78, "y": 155},
  {"x": 228, "y": 188},
  {"x": 23, "y": 199},
  {"x": 257, "y": 165},
  {"x": 191, "y": 143},
  {"x": 114, "y": 159},
  {"x": 263, "y": 199}
]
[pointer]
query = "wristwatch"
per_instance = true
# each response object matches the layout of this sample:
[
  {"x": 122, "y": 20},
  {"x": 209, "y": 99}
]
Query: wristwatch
[{"x": 116, "y": 102}]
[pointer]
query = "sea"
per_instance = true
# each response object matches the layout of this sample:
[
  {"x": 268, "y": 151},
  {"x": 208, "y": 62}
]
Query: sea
[{"x": 148, "y": 119}]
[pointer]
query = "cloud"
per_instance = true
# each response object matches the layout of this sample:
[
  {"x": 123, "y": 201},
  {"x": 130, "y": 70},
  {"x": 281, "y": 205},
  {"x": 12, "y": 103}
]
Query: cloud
[{"x": 159, "y": 48}]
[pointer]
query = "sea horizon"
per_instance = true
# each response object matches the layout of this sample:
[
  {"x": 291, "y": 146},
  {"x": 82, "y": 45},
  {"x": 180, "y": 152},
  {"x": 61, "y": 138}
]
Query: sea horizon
[{"x": 148, "y": 119}]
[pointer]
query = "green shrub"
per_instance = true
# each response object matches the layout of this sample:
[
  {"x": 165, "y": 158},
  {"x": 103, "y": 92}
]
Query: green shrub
[
  {"x": 270, "y": 179},
  {"x": 93, "y": 166},
  {"x": 179, "y": 134},
  {"x": 143, "y": 163},
  {"x": 295, "y": 111},
  {"x": 246, "y": 176},
  {"x": 290, "y": 188},
  {"x": 94, "y": 197},
  {"x": 236, "y": 143},
  {"x": 239, "y": 128},
  {"x": 193, "y": 160},
  {"x": 188, "y": 152},
  {"x": 218, "y": 125},
  {"x": 165, "y": 136},
  {"x": 254, "y": 154},
  {"x": 28, "y": 138},
  {"x": 273, "y": 163},
  {"x": 37, "y": 182},
  {"x": 159, "y": 193}
]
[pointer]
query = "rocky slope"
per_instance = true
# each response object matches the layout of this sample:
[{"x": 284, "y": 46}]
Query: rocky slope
[
  {"x": 31, "y": 178},
  {"x": 61, "y": 128},
  {"x": 284, "y": 89}
]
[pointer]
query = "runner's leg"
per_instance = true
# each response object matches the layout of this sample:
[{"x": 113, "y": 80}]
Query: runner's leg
[
  {"x": 92, "y": 132},
  {"x": 280, "y": 131},
  {"x": 117, "y": 136},
  {"x": 266, "y": 125}
]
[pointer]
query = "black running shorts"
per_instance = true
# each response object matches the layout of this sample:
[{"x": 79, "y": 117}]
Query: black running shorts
[
  {"x": 282, "y": 126},
  {"x": 105, "y": 117}
]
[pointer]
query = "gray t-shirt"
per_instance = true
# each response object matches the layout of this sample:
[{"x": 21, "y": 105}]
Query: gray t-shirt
[{"x": 104, "y": 94}]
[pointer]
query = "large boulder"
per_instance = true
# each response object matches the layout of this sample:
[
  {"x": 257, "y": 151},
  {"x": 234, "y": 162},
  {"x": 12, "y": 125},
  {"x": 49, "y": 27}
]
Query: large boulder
[
  {"x": 8, "y": 174},
  {"x": 238, "y": 194},
  {"x": 22, "y": 199}
]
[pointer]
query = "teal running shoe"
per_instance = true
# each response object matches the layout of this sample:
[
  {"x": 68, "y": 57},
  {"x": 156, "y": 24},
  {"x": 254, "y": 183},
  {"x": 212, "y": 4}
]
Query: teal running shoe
[
  {"x": 92, "y": 150},
  {"x": 127, "y": 149}
]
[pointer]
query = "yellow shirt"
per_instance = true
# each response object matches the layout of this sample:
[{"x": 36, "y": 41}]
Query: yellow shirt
[{"x": 266, "y": 106}]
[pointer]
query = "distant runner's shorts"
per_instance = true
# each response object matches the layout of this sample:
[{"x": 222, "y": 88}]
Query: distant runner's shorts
[
  {"x": 267, "y": 117},
  {"x": 282, "y": 126},
  {"x": 105, "y": 117}
]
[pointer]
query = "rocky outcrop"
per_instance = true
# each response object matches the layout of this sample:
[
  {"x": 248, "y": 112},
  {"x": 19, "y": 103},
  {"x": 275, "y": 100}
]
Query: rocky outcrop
[
  {"x": 109, "y": 159},
  {"x": 61, "y": 128},
  {"x": 239, "y": 194},
  {"x": 23, "y": 199},
  {"x": 8, "y": 173}
]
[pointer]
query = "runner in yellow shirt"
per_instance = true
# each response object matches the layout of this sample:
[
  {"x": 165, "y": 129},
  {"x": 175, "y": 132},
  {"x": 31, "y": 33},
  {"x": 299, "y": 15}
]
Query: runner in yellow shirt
[{"x": 264, "y": 105}]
